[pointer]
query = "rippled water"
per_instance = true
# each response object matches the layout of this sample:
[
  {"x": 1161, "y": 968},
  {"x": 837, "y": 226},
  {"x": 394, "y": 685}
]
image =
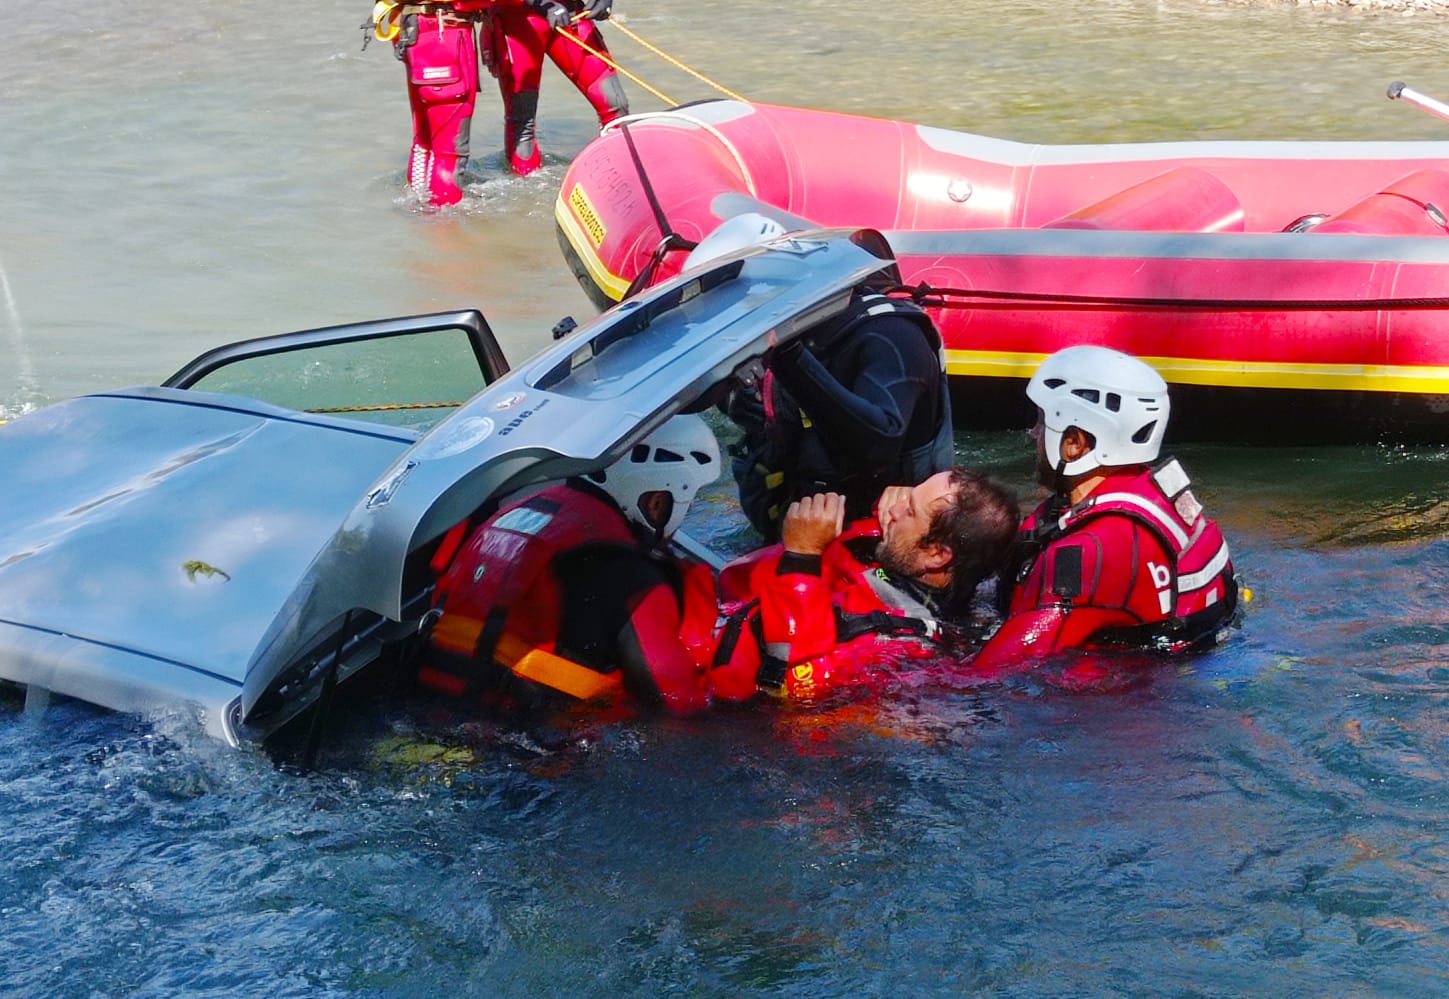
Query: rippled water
[{"x": 1267, "y": 820}]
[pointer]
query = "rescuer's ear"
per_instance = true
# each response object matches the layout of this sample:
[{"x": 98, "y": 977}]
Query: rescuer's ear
[
  {"x": 656, "y": 506},
  {"x": 1075, "y": 443}
]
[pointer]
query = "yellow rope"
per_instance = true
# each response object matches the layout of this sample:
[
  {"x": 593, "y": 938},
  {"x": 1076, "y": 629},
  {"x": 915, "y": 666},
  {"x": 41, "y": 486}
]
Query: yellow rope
[
  {"x": 619, "y": 25},
  {"x": 384, "y": 407},
  {"x": 614, "y": 65}
]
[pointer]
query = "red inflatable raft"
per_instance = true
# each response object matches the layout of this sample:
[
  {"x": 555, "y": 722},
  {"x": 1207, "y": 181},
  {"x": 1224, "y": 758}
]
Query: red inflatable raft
[{"x": 1288, "y": 270}]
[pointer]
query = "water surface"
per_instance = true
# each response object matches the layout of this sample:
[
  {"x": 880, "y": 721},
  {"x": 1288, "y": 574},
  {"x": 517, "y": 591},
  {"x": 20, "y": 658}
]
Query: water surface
[{"x": 1266, "y": 820}]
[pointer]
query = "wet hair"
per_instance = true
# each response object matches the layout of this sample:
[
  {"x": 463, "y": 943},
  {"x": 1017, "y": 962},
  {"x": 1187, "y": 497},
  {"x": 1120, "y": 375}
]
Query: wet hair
[{"x": 977, "y": 525}]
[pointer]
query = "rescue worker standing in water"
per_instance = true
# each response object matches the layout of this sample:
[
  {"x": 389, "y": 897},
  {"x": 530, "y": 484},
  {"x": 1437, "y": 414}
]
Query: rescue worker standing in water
[
  {"x": 836, "y": 602},
  {"x": 436, "y": 42},
  {"x": 566, "y": 587},
  {"x": 852, "y": 406},
  {"x": 1121, "y": 555}
]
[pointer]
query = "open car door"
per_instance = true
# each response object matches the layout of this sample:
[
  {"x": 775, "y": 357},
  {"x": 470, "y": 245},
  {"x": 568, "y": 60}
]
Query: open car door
[{"x": 408, "y": 371}]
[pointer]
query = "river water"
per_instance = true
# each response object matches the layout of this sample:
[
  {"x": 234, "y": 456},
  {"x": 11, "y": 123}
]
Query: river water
[{"x": 1267, "y": 820}]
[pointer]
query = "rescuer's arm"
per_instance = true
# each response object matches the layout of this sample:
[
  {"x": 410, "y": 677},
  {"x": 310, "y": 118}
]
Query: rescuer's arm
[
  {"x": 797, "y": 613},
  {"x": 1021, "y": 641},
  {"x": 653, "y": 656}
]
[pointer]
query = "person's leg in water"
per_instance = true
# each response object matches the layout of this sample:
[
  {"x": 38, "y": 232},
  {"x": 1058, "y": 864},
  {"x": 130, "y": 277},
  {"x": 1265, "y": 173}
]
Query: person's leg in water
[
  {"x": 595, "y": 78},
  {"x": 441, "y": 59},
  {"x": 515, "y": 51}
]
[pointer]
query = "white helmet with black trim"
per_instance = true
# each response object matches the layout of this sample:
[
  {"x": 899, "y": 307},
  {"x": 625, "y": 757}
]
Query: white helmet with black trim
[
  {"x": 1118, "y": 399},
  {"x": 733, "y": 234},
  {"x": 676, "y": 459}
]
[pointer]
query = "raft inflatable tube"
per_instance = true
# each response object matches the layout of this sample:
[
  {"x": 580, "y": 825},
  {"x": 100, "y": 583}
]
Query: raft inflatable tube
[{"x": 1291, "y": 269}]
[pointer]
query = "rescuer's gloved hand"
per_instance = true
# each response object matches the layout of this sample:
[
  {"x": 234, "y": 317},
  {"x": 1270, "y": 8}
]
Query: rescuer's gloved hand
[
  {"x": 557, "y": 14},
  {"x": 599, "y": 10}
]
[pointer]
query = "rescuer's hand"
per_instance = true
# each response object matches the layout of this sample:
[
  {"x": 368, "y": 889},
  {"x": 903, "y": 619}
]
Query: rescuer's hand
[
  {"x": 599, "y": 10},
  {"x": 811, "y": 523},
  {"x": 557, "y": 14},
  {"x": 889, "y": 497}
]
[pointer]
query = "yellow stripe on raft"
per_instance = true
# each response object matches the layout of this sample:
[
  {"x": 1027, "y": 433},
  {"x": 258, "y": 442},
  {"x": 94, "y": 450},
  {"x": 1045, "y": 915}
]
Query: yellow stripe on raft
[
  {"x": 610, "y": 283},
  {"x": 1426, "y": 380}
]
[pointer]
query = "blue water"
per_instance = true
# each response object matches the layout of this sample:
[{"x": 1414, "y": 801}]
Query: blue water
[{"x": 1266, "y": 820}]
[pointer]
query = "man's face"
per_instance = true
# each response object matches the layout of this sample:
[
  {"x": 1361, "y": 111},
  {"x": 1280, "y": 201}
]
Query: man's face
[{"x": 905, "y": 522}]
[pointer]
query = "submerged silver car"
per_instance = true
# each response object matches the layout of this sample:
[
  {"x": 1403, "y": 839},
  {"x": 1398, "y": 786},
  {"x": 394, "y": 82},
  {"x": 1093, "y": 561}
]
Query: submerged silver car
[{"x": 258, "y": 528}]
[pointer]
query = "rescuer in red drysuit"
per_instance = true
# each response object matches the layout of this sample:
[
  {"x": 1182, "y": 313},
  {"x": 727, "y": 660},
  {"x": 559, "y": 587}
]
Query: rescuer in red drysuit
[
  {"x": 438, "y": 45},
  {"x": 1121, "y": 556},
  {"x": 571, "y": 574},
  {"x": 835, "y": 606}
]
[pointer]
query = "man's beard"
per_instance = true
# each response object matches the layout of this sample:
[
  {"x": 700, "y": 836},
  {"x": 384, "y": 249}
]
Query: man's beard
[{"x": 897, "y": 564}]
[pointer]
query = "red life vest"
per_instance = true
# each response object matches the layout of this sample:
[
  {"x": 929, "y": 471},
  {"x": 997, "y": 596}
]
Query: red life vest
[
  {"x": 499, "y": 601},
  {"x": 1186, "y": 597},
  {"x": 874, "y": 624}
]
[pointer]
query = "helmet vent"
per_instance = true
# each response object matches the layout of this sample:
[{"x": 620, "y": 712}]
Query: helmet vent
[
  {"x": 1143, "y": 435},
  {"x": 1114, "y": 402},
  {"x": 640, "y": 454},
  {"x": 1054, "y": 383},
  {"x": 700, "y": 458},
  {"x": 1091, "y": 395},
  {"x": 664, "y": 454}
]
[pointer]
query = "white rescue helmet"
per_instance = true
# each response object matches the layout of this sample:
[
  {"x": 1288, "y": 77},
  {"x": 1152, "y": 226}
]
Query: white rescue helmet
[
  {"x": 733, "y": 234},
  {"x": 677, "y": 458},
  {"x": 1118, "y": 399}
]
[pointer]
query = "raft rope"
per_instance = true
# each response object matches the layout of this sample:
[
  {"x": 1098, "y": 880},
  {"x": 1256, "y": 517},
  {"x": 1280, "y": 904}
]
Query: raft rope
[
  {"x": 670, "y": 239},
  {"x": 614, "y": 65},
  {"x": 619, "y": 25},
  {"x": 925, "y": 294}
]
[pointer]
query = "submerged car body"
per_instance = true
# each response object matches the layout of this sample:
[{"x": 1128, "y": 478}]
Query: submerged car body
[{"x": 234, "y": 552}]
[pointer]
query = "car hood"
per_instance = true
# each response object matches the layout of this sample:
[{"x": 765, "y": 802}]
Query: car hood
[{"x": 149, "y": 537}]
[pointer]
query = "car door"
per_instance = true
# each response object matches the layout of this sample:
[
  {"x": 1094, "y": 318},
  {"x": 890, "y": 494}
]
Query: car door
[{"x": 410, "y": 371}]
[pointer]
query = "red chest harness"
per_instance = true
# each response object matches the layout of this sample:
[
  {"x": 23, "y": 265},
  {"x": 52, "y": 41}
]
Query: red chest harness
[{"x": 1195, "y": 590}]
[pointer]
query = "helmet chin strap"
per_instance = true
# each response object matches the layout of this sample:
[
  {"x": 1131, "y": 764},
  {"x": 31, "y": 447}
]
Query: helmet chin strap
[{"x": 1059, "y": 475}]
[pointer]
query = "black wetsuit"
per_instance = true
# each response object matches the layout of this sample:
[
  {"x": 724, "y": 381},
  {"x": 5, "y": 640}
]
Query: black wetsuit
[{"x": 859, "y": 404}]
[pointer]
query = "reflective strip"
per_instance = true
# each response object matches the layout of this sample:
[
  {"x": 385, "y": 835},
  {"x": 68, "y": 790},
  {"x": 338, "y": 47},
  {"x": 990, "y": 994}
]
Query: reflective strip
[
  {"x": 1171, "y": 479},
  {"x": 899, "y": 599},
  {"x": 1146, "y": 506},
  {"x": 1197, "y": 580}
]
